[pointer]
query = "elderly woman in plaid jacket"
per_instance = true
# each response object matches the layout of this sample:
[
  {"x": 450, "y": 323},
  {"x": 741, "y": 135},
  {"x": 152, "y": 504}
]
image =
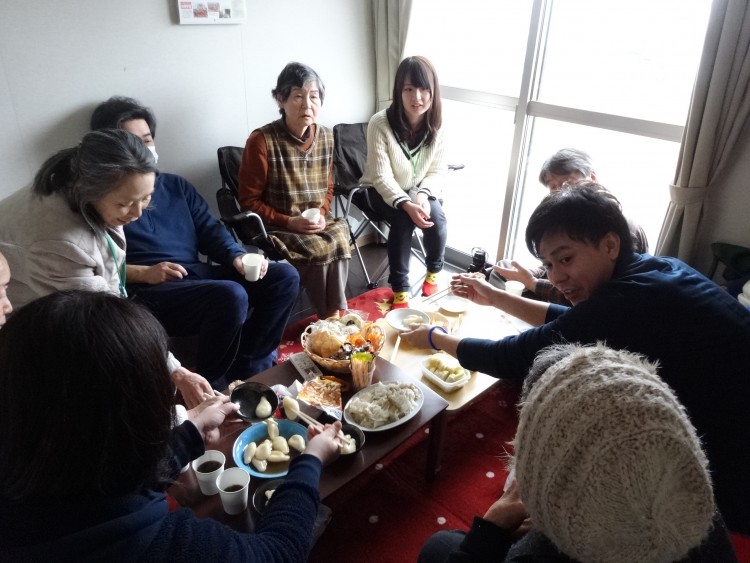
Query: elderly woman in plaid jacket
[{"x": 287, "y": 169}]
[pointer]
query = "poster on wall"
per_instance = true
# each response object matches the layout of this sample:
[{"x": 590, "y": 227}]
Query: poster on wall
[{"x": 208, "y": 12}]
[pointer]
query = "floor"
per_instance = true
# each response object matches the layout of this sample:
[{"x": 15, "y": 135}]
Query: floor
[{"x": 375, "y": 259}]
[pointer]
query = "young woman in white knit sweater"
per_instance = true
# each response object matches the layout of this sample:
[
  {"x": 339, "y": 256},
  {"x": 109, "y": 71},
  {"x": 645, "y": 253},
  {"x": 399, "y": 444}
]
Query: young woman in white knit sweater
[{"x": 406, "y": 166}]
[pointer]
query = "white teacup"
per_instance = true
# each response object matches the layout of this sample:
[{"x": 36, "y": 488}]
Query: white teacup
[
  {"x": 233, "y": 487},
  {"x": 207, "y": 468},
  {"x": 311, "y": 214},
  {"x": 251, "y": 263},
  {"x": 514, "y": 287}
]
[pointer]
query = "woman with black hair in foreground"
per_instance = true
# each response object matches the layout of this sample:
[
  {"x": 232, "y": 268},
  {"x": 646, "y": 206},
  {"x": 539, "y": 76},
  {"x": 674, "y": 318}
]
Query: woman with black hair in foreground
[{"x": 89, "y": 444}]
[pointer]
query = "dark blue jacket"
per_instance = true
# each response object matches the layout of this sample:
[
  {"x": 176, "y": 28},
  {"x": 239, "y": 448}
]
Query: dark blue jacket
[{"x": 177, "y": 226}]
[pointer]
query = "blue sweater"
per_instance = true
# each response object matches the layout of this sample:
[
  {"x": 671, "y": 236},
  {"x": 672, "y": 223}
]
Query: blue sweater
[
  {"x": 177, "y": 226},
  {"x": 662, "y": 308},
  {"x": 138, "y": 525}
]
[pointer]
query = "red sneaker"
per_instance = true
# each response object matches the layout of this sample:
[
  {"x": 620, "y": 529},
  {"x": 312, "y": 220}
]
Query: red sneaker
[{"x": 429, "y": 289}]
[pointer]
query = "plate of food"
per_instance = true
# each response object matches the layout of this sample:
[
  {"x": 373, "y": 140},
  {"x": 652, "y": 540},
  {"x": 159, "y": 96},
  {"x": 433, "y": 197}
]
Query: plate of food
[
  {"x": 264, "y": 493},
  {"x": 445, "y": 372},
  {"x": 265, "y": 452},
  {"x": 383, "y": 406},
  {"x": 454, "y": 304},
  {"x": 402, "y": 319}
]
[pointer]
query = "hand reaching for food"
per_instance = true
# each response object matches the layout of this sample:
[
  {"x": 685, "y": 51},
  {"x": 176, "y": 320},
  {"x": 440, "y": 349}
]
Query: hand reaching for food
[
  {"x": 324, "y": 445},
  {"x": 473, "y": 288},
  {"x": 191, "y": 385},
  {"x": 210, "y": 415}
]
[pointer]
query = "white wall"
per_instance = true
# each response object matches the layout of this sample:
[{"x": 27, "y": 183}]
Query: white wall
[{"x": 209, "y": 85}]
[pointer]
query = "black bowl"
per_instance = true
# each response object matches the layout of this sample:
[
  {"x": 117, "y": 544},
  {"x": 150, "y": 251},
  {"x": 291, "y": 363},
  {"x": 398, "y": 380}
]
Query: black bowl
[
  {"x": 357, "y": 435},
  {"x": 247, "y": 395}
]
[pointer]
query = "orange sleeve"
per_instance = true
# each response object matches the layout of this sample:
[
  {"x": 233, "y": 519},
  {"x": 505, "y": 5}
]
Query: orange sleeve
[
  {"x": 253, "y": 180},
  {"x": 329, "y": 197}
]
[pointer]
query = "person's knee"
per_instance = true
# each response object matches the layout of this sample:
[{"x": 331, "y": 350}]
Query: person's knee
[
  {"x": 229, "y": 301},
  {"x": 284, "y": 278},
  {"x": 440, "y": 545}
]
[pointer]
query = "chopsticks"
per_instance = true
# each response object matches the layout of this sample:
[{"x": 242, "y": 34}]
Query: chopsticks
[
  {"x": 457, "y": 324},
  {"x": 315, "y": 424},
  {"x": 438, "y": 295},
  {"x": 395, "y": 348}
]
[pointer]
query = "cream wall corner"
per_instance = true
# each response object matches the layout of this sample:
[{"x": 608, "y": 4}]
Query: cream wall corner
[{"x": 209, "y": 85}]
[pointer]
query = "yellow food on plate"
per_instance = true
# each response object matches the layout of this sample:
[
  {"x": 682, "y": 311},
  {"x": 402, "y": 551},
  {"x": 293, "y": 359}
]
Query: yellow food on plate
[
  {"x": 321, "y": 392},
  {"x": 446, "y": 368}
]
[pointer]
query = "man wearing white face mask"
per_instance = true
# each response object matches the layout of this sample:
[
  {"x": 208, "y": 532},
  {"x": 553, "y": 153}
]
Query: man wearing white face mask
[{"x": 239, "y": 323}]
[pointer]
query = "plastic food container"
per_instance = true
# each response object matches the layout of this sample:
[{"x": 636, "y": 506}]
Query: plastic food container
[{"x": 444, "y": 385}]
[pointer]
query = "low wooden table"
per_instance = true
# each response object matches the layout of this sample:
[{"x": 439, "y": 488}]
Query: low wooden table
[
  {"x": 477, "y": 321},
  {"x": 342, "y": 471}
]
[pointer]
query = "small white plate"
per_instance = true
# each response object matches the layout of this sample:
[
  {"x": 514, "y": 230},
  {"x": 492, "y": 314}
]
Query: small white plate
[
  {"x": 454, "y": 304},
  {"x": 395, "y": 318}
]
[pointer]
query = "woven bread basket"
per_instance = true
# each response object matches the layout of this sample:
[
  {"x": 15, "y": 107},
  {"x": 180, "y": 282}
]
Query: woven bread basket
[{"x": 330, "y": 364}]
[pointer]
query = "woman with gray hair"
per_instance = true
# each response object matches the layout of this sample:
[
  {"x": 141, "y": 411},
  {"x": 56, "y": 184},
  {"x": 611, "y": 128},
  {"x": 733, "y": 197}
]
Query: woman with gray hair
[
  {"x": 287, "y": 170},
  {"x": 65, "y": 230}
]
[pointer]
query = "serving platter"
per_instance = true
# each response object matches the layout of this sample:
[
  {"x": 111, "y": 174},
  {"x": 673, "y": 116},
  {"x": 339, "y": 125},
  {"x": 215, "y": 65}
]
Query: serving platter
[{"x": 365, "y": 393}]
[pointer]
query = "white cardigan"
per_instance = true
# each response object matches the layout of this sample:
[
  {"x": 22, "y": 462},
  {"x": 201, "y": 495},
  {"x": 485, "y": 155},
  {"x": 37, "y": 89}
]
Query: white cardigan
[{"x": 389, "y": 170}]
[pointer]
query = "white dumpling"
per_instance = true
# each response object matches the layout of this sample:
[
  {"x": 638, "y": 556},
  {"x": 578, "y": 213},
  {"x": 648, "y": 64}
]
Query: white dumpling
[
  {"x": 260, "y": 464},
  {"x": 297, "y": 442},
  {"x": 280, "y": 444},
  {"x": 272, "y": 427},
  {"x": 263, "y": 410},
  {"x": 249, "y": 452},
  {"x": 348, "y": 446},
  {"x": 263, "y": 451},
  {"x": 277, "y": 456}
]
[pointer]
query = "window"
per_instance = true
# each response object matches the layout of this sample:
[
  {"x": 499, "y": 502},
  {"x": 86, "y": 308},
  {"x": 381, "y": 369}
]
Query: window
[{"x": 522, "y": 79}]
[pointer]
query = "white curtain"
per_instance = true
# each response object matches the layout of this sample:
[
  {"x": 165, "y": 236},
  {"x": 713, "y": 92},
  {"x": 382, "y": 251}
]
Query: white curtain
[
  {"x": 391, "y": 19},
  {"x": 718, "y": 114}
]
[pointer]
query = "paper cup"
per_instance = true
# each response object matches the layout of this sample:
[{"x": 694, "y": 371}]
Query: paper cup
[
  {"x": 251, "y": 263},
  {"x": 514, "y": 287},
  {"x": 311, "y": 214},
  {"x": 233, "y": 485},
  {"x": 207, "y": 472}
]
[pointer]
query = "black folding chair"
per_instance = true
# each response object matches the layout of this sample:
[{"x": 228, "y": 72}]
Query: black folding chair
[{"x": 246, "y": 227}]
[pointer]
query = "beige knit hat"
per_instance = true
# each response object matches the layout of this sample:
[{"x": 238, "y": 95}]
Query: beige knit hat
[{"x": 607, "y": 462}]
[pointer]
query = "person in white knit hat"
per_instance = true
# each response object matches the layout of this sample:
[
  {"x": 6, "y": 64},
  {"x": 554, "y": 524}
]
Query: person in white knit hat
[{"x": 608, "y": 469}]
